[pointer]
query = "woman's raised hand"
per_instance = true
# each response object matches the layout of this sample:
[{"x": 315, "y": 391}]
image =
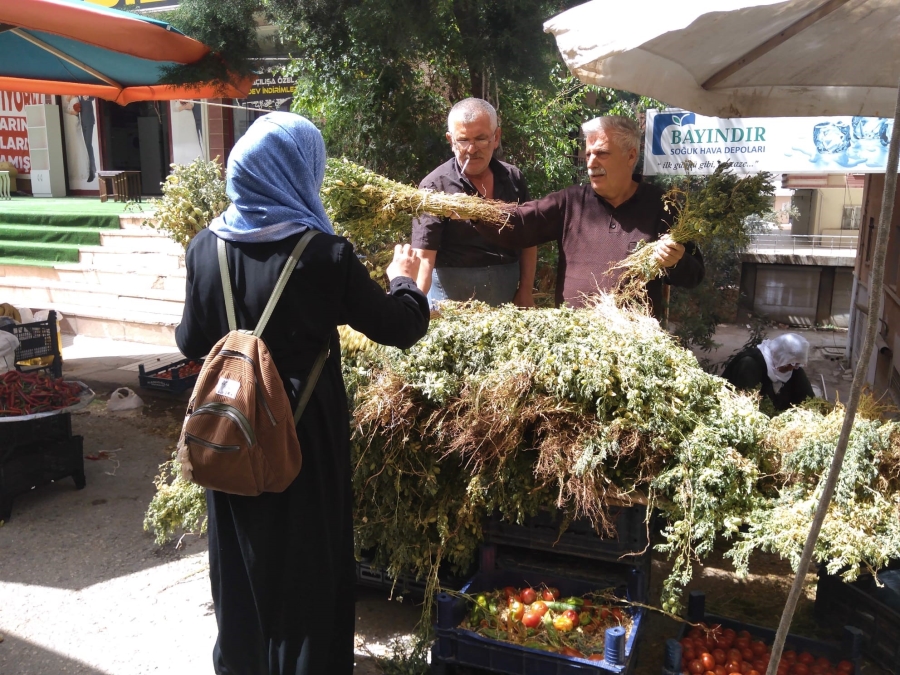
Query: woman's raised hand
[{"x": 405, "y": 263}]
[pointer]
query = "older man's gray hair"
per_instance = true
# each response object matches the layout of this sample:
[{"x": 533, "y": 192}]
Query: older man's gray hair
[
  {"x": 623, "y": 131},
  {"x": 470, "y": 109}
]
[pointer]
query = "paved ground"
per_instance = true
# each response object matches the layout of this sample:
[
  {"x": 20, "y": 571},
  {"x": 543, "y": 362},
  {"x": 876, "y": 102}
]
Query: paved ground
[{"x": 84, "y": 590}]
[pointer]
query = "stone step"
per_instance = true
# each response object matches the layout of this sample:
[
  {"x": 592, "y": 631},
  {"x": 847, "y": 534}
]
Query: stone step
[
  {"x": 130, "y": 326},
  {"x": 122, "y": 278},
  {"x": 135, "y": 220},
  {"x": 102, "y": 257},
  {"x": 22, "y": 291},
  {"x": 145, "y": 240}
]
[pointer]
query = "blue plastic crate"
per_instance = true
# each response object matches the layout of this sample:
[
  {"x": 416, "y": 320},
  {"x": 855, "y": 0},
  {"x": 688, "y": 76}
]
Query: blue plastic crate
[
  {"x": 872, "y": 609},
  {"x": 542, "y": 532},
  {"x": 456, "y": 646},
  {"x": 850, "y": 649}
]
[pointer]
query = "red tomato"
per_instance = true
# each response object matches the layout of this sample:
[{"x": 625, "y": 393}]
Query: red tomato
[
  {"x": 760, "y": 665},
  {"x": 709, "y": 672},
  {"x": 729, "y": 632},
  {"x": 734, "y": 655},
  {"x": 825, "y": 663},
  {"x": 800, "y": 669},
  {"x": 720, "y": 670},
  {"x": 747, "y": 654},
  {"x": 742, "y": 643},
  {"x": 563, "y": 624},
  {"x": 709, "y": 661},
  {"x": 733, "y": 667},
  {"x": 539, "y": 607},
  {"x": 571, "y": 651},
  {"x": 759, "y": 648},
  {"x": 845, "y": 667},
  {"x": 694, "y": 633},
  {"x": 531, "y": 619},
  {"x": 572, "y": 615},
  {"x": 604, "y": 615},
  {"x": 719, "y": 656},
  {"x": 510, "y": 592},
  {"x": 696, "y": 667},
  {"x": 745, "y": 668},
  {"x": 617, "y": 614},
  {"x": 688, "y": 654},
  {"x": 790, "y": 656},
  {"x": 753, "y": 672},
  {"x": 744, "y": 634},
  {"x": 550, "y": 594},
  {"x": 596, "y": 657},
  {"x": 806, "y": 658},
  {"x": 528, "y": 595},
  {"x": 516, "y": 610}
]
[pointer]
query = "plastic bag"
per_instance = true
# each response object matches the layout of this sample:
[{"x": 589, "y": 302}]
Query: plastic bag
[
  {"x": 123, "y": 399},
  {"x": 9, "y": 343}
]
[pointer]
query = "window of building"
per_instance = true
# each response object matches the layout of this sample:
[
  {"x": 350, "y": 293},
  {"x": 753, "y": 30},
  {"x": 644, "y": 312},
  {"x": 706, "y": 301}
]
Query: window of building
[{"x": 851, "y": 217}]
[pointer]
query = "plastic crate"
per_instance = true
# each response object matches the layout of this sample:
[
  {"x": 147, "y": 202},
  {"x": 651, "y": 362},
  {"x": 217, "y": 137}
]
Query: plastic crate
[
  {"x": 26, "y": 466},
  {"x": 850, "y": 648},
  {"x": 371, "y": 576},
  {"x": 457, "y": 646},
  {"x": 43, "y": 429},
  {"x": 173, "y": 385},
  {"x": 875, "y": 611},
  {"x": 36, "y": 340},
  {"x": 542, "y": 532}
]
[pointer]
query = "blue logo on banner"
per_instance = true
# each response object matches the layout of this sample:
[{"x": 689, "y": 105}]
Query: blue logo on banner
[{"x": 663, "y": 121}]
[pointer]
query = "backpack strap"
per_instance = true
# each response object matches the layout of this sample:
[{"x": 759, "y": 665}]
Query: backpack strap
[
  {"x": 282, "y": 280},
  {"x": 311, "y": 381},
  {"x": 226, "y": 284}
]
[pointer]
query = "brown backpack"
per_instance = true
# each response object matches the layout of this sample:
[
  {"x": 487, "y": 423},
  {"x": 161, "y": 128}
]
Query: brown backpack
[{"x": 239, "y": 435}]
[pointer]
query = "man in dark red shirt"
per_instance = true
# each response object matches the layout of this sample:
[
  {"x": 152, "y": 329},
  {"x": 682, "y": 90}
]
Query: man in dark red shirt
[
  {"x": 457, "y": 262},
  {"x": 598, "y": 225}
]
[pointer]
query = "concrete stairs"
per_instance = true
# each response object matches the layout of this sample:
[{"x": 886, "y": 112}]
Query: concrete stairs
[{"x": 130, "y": 287}]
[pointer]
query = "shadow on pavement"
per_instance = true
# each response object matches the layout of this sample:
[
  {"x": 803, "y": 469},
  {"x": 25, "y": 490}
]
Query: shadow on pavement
[{"x": 20, "y": 657}]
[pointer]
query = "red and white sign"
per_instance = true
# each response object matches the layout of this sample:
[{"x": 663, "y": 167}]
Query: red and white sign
[{"x": 14, "y": 130}]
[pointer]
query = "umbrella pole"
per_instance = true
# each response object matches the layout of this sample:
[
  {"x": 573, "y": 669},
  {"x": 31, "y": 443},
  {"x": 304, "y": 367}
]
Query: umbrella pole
[{"x": 876, "y": 285}]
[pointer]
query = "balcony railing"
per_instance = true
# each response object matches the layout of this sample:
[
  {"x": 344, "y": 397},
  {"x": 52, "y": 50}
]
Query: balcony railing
[{"x": 803, "y": 243}]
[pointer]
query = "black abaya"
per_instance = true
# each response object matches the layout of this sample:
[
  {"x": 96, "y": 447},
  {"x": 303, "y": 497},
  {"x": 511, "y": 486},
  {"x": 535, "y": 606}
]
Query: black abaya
[{"x": 281, "y": 565}]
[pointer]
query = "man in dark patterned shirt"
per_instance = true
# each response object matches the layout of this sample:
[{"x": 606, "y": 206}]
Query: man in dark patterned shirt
[{"x": 598, "y": 225}]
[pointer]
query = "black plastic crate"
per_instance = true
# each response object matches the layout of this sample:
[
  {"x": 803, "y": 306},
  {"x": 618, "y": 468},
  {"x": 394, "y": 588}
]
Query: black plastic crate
[
  {"x": 875, "y": 611},
  {"x": 850, "y": 648},
  {"x": 372, "y": 576},
  {"x": 26, "y": 466},
  {"x": 42, "y": 429},
  {"x": 38, "y": 339},
  {"x": 542, "y": 532},
  {"x": 175, "y": 384},
  {"x": 456, "y": 646}
]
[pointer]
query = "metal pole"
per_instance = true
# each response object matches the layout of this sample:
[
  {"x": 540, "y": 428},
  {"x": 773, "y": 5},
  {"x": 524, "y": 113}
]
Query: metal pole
[{"x": 876, "y": 286}]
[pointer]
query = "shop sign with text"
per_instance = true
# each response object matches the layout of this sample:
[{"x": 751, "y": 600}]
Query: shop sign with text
[
  {"x": 14, "y": 129},
  {"x": 272, "y": 89},
  {"x": 773, "y": 144}
]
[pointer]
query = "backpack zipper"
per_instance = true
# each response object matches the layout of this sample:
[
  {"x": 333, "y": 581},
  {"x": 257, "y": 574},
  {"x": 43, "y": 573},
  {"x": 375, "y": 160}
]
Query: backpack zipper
[
  {"x": 232, "y": 413},
  {"x": 259, "y": 395},
  {"x": 212, "y": 446}
]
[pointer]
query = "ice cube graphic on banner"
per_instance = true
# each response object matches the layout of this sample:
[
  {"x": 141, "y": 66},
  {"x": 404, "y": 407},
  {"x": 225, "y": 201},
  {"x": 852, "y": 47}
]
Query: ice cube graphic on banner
[
  {"x": 867, "y": 128},
  {"x": 831, "y": 137}
]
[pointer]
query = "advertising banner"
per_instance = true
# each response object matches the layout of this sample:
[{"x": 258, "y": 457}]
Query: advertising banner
[
  {"x": 82, "y": 146},
  {"x": 135, "y": 4},
  {"x": 14, "y": 129},
  {"x": 773, "y": 144},
  {"x": 271, "y": 90}
]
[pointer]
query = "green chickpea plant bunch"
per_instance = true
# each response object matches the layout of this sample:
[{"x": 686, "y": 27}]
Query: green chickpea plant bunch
[{"x": 193, "y": 195}]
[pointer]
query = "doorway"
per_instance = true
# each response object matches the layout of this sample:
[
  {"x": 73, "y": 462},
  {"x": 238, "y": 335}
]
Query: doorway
[{"x": 136, "y": 138}]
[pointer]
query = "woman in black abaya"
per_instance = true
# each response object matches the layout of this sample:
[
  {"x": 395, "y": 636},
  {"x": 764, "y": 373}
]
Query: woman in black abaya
[{"x": 281, "y": 565}]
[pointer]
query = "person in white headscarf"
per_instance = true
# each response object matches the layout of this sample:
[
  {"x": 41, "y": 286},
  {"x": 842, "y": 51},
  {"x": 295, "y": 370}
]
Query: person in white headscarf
[{"x": 776, "y": 367}]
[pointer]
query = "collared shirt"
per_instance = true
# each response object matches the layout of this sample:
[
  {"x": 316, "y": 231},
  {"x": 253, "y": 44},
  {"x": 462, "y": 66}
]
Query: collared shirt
[
  {"x": 593, "y": 235},
  {"x": 458, "y": 242}
]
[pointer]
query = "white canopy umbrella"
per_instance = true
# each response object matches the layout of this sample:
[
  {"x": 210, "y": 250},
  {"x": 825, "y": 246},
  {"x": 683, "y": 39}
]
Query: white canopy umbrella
[
  {"x": 740, "y": 58},
  {"x": 756, "y": 58}
]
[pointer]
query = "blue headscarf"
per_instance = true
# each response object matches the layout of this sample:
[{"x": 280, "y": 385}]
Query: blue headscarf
[{"x": 274, "y": 175}]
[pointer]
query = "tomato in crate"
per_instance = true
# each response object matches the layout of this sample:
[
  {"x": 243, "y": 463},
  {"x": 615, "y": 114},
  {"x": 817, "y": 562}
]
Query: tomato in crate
[{"x": 174, "y": 378}]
